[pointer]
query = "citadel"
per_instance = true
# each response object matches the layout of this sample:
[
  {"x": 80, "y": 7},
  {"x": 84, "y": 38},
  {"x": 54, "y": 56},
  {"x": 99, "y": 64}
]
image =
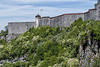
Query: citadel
[
  {"x": 65, "y": 20},
  {"x": 87, "y": 53}
]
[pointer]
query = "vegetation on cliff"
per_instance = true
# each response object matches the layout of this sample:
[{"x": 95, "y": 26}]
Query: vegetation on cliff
[
  {"x": 4, "y": 32},
  {"x": 48, "y": 46}
]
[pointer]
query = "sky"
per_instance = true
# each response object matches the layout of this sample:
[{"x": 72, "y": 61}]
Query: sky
[{"x": 26, "y": 10}]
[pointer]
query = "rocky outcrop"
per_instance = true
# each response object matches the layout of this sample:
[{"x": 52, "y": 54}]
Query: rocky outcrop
[
  {"x": 88, "y": 51},
  {"x": 3, "y": 37},
  {"x": 21, "y": 59},
  {"x": 9, "y": 37}
]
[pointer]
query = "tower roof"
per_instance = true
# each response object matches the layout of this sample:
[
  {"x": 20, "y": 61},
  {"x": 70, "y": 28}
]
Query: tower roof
[{"x": 38, "y": 15}]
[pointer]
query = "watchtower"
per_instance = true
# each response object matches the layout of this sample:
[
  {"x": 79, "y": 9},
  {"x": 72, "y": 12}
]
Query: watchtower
[{"x": 37, "y": 20}]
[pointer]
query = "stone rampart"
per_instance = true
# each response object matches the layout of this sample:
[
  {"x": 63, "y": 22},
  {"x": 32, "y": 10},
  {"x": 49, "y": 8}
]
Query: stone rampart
[
  {"x": 19, "y": 27},
  {"x": 64, "y": 20}
]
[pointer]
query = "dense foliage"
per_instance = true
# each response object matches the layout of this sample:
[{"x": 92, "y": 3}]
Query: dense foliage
[
  {"x": 4, "y": 32},
  {"x": 97, "y": 62},
  {"x": 48, "y": 46}
]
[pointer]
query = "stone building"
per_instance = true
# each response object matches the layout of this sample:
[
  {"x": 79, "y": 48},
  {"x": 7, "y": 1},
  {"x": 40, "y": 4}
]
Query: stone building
[{"x": 61, "y": 20}]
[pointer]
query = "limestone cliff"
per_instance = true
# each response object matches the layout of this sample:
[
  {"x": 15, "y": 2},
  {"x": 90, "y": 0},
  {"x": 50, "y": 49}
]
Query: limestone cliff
[{"x": 89, "y": 51}]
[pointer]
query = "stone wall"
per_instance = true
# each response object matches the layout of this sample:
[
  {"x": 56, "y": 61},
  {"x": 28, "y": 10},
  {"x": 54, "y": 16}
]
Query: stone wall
[
  {"x": 69, "y": 19},
  {"x": 45, "y": 21},
  {"x": 56, "y": 21},
  {"x": 19, "y": 27},
  {"x": 64, "y": 20},
  {"x": 61, "y": 21},
  {"x": 97, "y": 6},
  {"x": 91, "y": 14}
]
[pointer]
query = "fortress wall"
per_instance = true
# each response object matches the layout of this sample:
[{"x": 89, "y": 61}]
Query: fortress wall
[
  {"x": 92, "y": 14},
  {"x": 69, "y": 19},
  {"x": 56, "y": 21},
  {"x": 19, "y": 28},
  {"x": 29, "y": 25},
  {"x": 9, "y": 28},
  {"x": 97, "y": 7},
  {"x": 46, "y": 22},
  {"x": 61, "y": 21},
  {"x": 40, "y": 22},
  {"x": 86, "y": 16},
  {"x": 52, "y": 24}
]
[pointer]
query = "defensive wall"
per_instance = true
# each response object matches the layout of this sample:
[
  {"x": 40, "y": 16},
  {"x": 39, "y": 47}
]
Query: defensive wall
[
  {"x": 63, "y": 20},
  {"x": 19, "y": 27}
]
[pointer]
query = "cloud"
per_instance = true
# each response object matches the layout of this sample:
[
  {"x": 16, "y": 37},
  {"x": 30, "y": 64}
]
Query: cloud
[
  {"x": 34, "y": 1},
  {"x": 26, "y": 10}
]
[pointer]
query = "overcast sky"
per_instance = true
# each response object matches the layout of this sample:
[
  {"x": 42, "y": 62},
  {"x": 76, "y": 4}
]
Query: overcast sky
[{"x": 26, "y": 10}]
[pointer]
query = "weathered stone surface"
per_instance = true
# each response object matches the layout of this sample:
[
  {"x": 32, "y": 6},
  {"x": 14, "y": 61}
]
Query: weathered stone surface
[
  {"x": 88, "y": 53},
  {"x": 10, "y": 37},
  {"x": 2, "y": 37},
  {"x": 19, "y": 28},
  {"x": 21, "y": 59}
]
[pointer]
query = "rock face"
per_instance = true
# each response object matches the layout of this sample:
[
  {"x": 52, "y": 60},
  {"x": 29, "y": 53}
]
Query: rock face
[
  {"x": 9, "y": 37},
  {"x": 21, "y": 59},
  {"x": 88, "y": 52},
  {"x": 3, "y": 37}
]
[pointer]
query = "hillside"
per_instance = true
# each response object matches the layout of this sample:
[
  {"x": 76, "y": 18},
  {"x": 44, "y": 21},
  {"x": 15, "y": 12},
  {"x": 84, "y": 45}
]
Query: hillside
[{"x": 50, "y": 47}]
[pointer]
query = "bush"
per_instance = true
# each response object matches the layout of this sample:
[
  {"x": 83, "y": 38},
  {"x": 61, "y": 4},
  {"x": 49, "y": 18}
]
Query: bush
[{"x": 96, "y": 62}]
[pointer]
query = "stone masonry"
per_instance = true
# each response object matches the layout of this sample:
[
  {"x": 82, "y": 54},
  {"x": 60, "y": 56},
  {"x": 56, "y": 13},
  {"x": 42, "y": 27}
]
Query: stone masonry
[{"x": 89, "y": 51}]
